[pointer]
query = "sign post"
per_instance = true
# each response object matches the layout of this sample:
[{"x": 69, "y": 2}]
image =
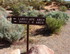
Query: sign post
[
  {"x": 27, "y": 37},
  {"x": 28, "y": 21}
]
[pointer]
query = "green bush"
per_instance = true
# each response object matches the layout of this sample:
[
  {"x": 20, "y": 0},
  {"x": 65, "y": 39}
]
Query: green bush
[
  {"x": 42, "y": 14},
  {"x": 37, "y": 5},
  {"x": 63, "y": 8},
  {"x": 67, "y": 4},
  {"x": 34, "y": 13},
  {"x": 58, "y": 15},
  {"x": 8, "y": 31},
  {"x": 3, "y": 12},
  {"x": 53, "y": 25},
  {"x": 55, "y": 20},
  {"x": 19, "y": 9}
]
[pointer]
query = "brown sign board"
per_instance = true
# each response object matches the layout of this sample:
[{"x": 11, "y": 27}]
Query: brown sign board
[{"x": 29, "y": 20}]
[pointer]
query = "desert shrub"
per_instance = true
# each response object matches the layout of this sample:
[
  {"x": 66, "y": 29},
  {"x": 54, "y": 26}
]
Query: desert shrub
[
  {"x": 67, "y": 4},
  {"x": 55, "y": 20},
  {"x": 53, "y": 25},
  {"x": 41, "y": 5},
  {"x": 63, "y": 8},
  {"x": 34, "y": 13},
  {"x": 17, "y": 9},
  {"x": 58, "y": 15},
  {"x": 42, "y": 14},
  {"x": 3, "y": 12},
  {"x": 37, "y": 4},
  {"x": 8, "y": 31},
  {"x": 6, "y": 3},
  {"x": 20, "y": 8}
]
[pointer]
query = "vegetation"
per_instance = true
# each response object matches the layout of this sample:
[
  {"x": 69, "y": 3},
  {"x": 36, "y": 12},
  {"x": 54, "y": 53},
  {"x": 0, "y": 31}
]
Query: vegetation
[
  {"x": 3, "y": 12},
  {"x": 19, "y": 8},
  {"x": 58, "y": 0},
  {"x": 58, "y": 15},
  {"x": 8, "y": 31},
  {"x": 55, "y": 20},
  {"x": 67, "y": 4},
  {"x": 34, "y": 13},
  {"x": 63, "y": 8},
  {"x": 37, "y": 5},
  {"x": 53, "y": 25}
]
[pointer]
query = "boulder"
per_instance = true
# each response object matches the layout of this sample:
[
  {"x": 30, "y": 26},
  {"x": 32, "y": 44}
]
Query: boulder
[{"x": 40, "y": 49}]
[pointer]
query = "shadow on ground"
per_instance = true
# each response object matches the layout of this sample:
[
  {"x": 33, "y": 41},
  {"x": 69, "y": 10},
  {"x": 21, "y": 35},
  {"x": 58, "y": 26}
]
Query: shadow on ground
[
  {"x": 23, "y": 53},
  {"x": 42, "y": 31},
  {"x": 4, "y": 44}
]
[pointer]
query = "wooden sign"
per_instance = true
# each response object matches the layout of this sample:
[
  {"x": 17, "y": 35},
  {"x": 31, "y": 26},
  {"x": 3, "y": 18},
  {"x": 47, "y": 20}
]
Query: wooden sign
[{"x": 28, "y": 20}]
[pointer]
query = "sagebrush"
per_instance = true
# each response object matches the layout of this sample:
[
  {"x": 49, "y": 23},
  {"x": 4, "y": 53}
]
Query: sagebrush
[
  {"x": 53, "y": 25},
  {"x": 58, "y": 15},
  {"x": 8, "y": 31},
  {"x": 63, "y": 8}
]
